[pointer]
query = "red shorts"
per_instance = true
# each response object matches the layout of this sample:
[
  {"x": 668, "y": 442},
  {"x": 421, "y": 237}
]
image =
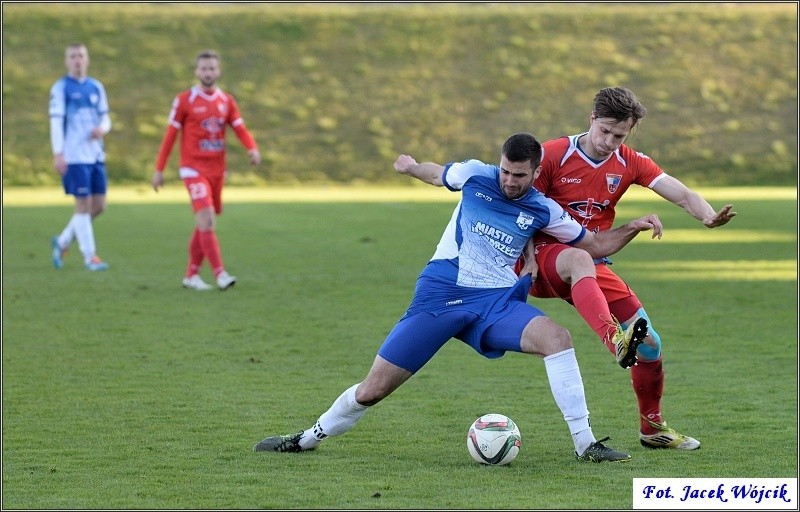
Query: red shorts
[
  {"x": 621, "y": 300},
  {"x": 205, "y": 192}
]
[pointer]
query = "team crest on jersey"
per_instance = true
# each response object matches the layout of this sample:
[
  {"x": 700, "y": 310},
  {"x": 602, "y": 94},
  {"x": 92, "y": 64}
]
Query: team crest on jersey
[
  {"x": 613, "y": 181},
  {"x": 94, "y": 98},
  {"x": 524, "y": 220},
  {"x": 221, "y": 107},
  {"x": 213, "y": 124}
]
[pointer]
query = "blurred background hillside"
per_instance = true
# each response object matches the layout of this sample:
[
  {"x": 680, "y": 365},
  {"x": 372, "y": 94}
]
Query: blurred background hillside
[{"x": 333, "y": 92}]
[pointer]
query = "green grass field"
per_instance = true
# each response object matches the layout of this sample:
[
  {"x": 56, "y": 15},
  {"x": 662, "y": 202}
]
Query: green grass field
[{"x": 123, "y": 390}]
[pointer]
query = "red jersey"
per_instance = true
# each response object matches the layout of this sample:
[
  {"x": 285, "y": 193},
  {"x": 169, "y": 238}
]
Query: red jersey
[
  {"x": 203, "y": 118},
  {"x": 589, "y": 191}
]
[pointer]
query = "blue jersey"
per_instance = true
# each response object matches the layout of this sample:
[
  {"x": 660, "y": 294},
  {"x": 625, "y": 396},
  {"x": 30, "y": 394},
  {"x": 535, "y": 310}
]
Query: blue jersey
[
  {"x": 469, "y": 290},
  {"x": 488, "y": 232},
  {"x": 81, "y": 106}
]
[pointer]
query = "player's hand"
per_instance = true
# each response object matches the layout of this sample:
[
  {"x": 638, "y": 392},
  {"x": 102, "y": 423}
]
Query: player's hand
[
  {"x": 529, "y": 266},
  {"x": 157, "y": 181},
  {"x": 721, "y": 218},
  {"x": 59, "y": 164},
  {"x": 255, "y": 156},
  {"x": 649, "y": 222},
  {"x": 404, "y": 163},
  {"x": 97, "y": 133}
]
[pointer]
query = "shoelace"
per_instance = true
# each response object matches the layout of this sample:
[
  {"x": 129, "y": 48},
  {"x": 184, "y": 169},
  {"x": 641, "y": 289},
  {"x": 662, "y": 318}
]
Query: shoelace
[
  {"x": 599, "y": 443},
  {"x": 290, "y": 443}
]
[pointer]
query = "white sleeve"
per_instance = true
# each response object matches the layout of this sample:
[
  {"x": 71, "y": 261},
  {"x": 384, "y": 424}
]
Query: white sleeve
[
  {"x": 105, "y": 123},
  {"x": 562, "y": 225},
  {"x": 102, "y": 105},
  {"x": 102, "y": 108},
  {"x": 57, "y": 113},
  {"x": 57, "y": 134},
  {"x": 456, "y": 174}
]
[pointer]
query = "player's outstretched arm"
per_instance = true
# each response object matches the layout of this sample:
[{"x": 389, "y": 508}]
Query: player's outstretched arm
[
  {"x": 429, "y": 172},
  {"x": 676, "y": 192},
  {"x": 606, "y": 243},
  {"x": 720, "y": 218}
]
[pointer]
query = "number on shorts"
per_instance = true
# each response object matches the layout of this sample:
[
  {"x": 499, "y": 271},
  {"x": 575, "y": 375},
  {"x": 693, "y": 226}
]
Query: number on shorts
[{"x": 197, "y": 190}]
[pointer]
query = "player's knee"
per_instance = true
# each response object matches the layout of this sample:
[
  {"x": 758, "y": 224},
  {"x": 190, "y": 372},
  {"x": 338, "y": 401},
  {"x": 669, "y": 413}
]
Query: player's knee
[
  {"x": 369, "y": 395},
  {"x": 581, "y": 258},
  {"x": 383, "y": 378},
  {"x": 650, "y": 350},
  {"x": 205, "y": 224},
  {"x": 82, "y": 205},
  {"x": 562, "y": 340},
  {"x": 575, "y": 264},
  {"x": 205, "y": 219},
  {"x": 545, "y": 337}
]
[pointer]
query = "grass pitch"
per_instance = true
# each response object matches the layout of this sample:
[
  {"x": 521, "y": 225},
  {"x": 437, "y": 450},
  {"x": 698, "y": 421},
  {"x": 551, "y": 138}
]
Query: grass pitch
[{"x": 123, "y": 390}]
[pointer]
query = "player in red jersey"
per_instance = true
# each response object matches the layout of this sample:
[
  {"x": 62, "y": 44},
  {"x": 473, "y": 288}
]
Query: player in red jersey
[
  {"x": 203, "y": 113},
  {"x": 587, "y": 174}
]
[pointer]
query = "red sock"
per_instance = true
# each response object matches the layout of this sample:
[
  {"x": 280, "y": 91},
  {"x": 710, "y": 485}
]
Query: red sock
[
  {"x": 647, "y": 378},
  {"x": 210, "y": 244},
  {"x": 195, "y": 255},
  {"x": 592, "y": 306}
]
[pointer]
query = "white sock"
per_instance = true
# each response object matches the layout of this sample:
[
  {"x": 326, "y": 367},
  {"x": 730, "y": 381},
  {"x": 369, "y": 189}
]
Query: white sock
[
  {"x": 567, "y": 388},
  {"x": 338, "y": 419},
  {"x": 82, "y": 222},
  {"x": 66, "y": 236}
]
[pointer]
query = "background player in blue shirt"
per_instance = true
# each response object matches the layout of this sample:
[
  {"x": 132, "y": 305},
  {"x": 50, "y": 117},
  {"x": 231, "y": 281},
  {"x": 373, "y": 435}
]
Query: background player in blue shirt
[
  {"x": 78, "y": 121},
  {"x": 469, "y": 291}
]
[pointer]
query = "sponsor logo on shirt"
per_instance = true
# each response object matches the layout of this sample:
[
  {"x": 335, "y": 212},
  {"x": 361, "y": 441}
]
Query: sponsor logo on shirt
[
  {"x": 498, "y": 239},
  {"x": 213, "y": 124},
  {"x": 492, "y": 232},
  {"x": 587, "y": 209},
  {"x": 212, "y": 145}
]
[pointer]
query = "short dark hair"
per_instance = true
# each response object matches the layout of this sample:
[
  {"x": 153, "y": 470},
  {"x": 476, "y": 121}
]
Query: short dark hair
[
  {"x": 618, "y": 103},
  {"x": 206, "y": 54},
  {"x": 523, "y": 147}
]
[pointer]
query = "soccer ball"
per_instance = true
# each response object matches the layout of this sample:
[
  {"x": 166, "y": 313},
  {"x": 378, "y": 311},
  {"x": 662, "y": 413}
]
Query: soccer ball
[{"x": 494, "y": 439}]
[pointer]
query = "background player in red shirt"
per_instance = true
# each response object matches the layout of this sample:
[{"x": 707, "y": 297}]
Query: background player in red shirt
[
  {"x": 203, "y": 113},
  {"x": 587, "y": 174}
]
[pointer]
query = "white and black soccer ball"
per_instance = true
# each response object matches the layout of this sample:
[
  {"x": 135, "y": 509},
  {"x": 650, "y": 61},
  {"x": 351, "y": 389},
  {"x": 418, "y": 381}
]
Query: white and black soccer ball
[{"x": 494, "y": 439}]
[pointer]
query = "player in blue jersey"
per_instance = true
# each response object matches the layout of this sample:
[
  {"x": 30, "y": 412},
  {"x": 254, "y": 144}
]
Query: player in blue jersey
[
  {"x": 78, "y": 121},
  {"x": 469, "y": 291}
]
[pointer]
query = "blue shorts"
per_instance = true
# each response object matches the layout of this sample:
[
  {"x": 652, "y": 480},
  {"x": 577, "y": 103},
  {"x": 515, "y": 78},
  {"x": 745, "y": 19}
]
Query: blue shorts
[
  {"x": 83, "y": 180},
  {"x": 491, "y": 331}
]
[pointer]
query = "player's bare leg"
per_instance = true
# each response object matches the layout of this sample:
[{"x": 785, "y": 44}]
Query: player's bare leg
[{"x": 383, "y": 378}]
